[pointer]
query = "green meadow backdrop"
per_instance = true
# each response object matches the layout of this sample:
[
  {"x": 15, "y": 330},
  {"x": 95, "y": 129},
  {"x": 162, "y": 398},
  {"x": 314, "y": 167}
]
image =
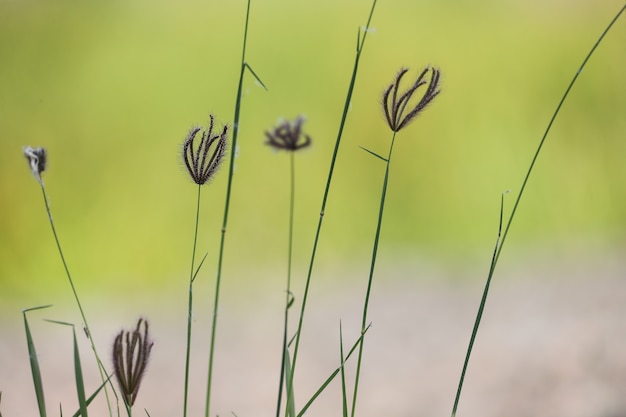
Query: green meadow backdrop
[{"x": 112, "y": 88}]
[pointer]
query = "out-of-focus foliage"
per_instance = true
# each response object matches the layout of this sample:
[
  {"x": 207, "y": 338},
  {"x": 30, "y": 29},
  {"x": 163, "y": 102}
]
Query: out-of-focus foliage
[{"x": 112, "y": 88}]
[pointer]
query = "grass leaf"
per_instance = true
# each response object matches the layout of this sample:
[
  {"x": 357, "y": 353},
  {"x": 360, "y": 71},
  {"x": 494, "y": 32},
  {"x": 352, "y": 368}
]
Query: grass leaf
[
  {"x": 481, "y": 307},
  {"x": 193, "y": 278},
  {"x": 78, "y": 373},
  {"x": 34, "y": 363},
  {"x": 291, "y": 405},
  {"x": 344, "y": 395},
  {"x": 373, "y": 153},
  {"x": 78, "y": 370},
  {"x": 93, "y": 396},
  {"x": 255, "y": 76},
  {"x": 333, "y": 374}
]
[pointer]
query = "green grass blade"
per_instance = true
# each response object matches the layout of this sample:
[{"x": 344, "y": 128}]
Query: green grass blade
[
  {"x": 374, "y": 153},
  {"x": 344, "y": 394},
  {"x": 284, "y": 371},
  {"x": 255, "y": 76},
  {"x": 193, "y": 278},
  {"x": 78, "y": 370},
  {"x": 333, "y": 374},
  {"x": 319, "y": 391},
  {"x": 481, "y": 308},
  {"x": 93, "y": 396},
  {"x": 78, "y": 373},
  {"x": 63, "y": 323},
  {"x": 34, "y": 363},
  {"x": 0, "y": 402},
  {"x": 291, "y": 403},
  {"x": 293, "y": 338}
]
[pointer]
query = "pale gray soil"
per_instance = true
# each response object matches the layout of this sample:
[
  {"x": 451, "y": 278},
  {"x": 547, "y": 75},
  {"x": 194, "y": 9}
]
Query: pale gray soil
[{"x": 552, "y": 343}]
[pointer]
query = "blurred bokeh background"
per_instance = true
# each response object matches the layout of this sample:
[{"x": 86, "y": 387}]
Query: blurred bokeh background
[{"x": 112, "y": 88}]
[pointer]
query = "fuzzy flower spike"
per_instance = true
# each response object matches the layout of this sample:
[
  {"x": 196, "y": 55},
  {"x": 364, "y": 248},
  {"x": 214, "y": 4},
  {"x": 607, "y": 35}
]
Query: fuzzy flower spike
[
  {"x": 37, "y": 158},
  {"x": 131, "y": 352},
  {"x": 288, "y": 136},
  {"x": 203, "y": 159},
  {"x": 395, "y": 103}
]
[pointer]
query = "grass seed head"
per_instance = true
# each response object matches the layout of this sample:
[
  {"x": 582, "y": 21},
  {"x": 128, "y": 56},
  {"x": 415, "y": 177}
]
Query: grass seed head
[
  {"x": 395, "y": 103},
  {"x": 131, "y": 351},
  {"x": 204, "y": 158},
  {"x": 37, "y": 159},
  {"x": 288, "y": 136}
]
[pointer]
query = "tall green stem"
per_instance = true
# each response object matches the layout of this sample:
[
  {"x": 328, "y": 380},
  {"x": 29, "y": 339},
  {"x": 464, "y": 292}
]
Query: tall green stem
[
  {"x": 101, "y": 369},
  {"x": 371, "y": 274},
  {"x": 545, "y": 135},
  {"x": 346, "y": 107},
  {"x": 500, "y": 242},
  {"x": 288, "y": 298},
  {"x": 226, "y": 210},
  {"x": 190, "y": 304}
]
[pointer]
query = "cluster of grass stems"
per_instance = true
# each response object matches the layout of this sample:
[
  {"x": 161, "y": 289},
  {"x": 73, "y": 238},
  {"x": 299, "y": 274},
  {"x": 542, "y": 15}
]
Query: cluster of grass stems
[{"x": 131, "y": 349}]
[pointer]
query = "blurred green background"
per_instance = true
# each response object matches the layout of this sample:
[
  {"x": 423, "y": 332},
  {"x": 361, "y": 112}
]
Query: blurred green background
[{"x": 111, "y": 89}]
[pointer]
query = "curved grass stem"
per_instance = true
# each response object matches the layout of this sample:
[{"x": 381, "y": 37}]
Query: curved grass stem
[
  {"x": 500, "y": 242},
  {"x": 103, "y": 374},
  {"x": 552, "y": 119}
]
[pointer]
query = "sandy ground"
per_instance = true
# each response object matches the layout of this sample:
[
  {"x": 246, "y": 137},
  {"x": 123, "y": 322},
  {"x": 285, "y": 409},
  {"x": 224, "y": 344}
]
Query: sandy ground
[{"x": 552, "y": 343}]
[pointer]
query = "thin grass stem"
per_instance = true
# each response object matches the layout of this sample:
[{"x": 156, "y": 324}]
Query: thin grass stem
[
  {"x": 371, "y": 273},
  {"x": 288, "y": 296},
  {"x": 500, "y": 242},
  {"x": 479, "y": 315},
  {"x": 545, "y": 134},
  {"x": 344, "y": 116},
  {"x": 101, "y": 370},
  {"x": 190, "y": 304},
  {"x": 229, "y": 186}
]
